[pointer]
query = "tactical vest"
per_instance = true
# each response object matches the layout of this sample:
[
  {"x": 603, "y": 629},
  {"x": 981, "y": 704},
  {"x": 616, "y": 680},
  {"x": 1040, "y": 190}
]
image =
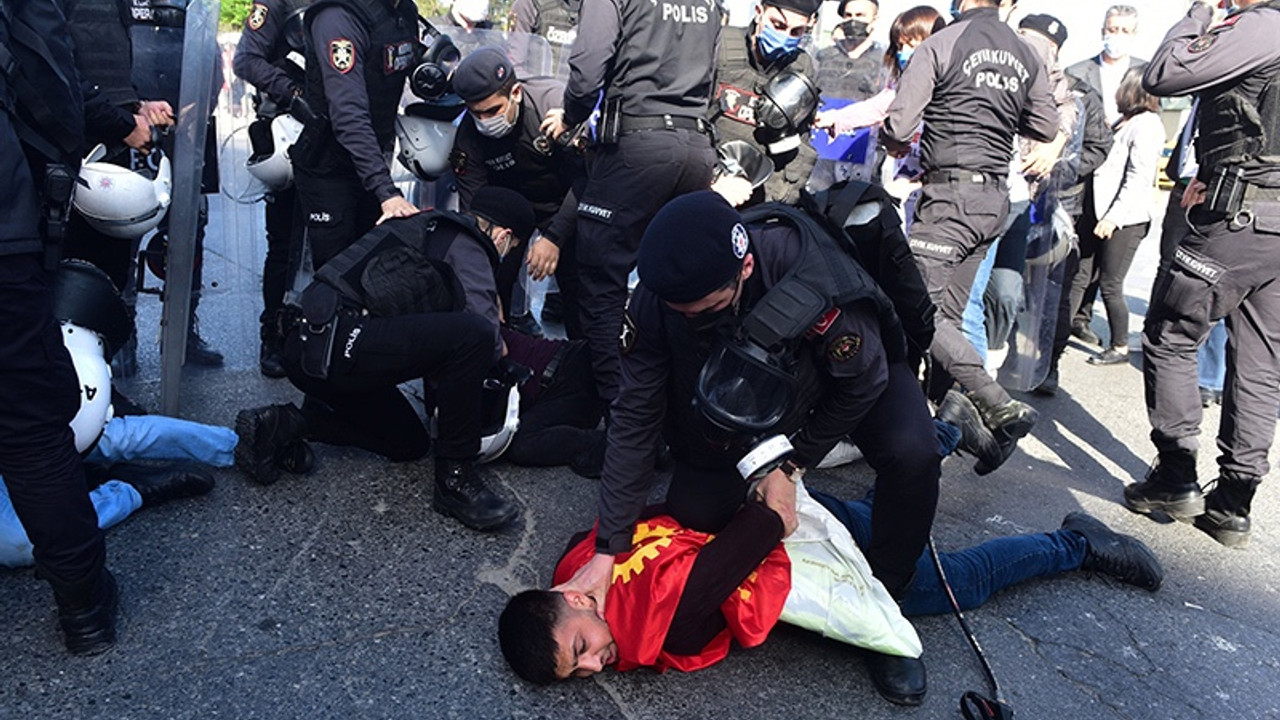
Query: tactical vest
[
  {"x": 523, "y": 160},
  {"x": 558, "y": 22},
  {"x": 394, "y": 51},
  {"x": 106, "y": 61},
  {"x": 399, "y": 267},
  {"x": 849, "y": 78},
  {"x": 739, "y": 85},
  {"x": 1240, "y": 125}
]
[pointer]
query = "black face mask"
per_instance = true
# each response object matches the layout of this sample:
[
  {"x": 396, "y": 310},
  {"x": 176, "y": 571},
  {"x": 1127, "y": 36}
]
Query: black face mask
[{"x": 855, "y": 33}]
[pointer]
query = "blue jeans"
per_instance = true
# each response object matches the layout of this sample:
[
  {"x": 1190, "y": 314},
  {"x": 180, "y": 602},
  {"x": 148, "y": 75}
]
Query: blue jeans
[
  {"x": 1212, "y": 357},
  {"x": 974, "y": 321},
  {"x": 132, "y": 437},
  {"x": 975, "y": 574}
]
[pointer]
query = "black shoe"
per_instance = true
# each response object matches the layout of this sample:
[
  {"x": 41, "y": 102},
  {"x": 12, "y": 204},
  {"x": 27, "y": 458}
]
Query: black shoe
[
  {"x": 158, "y": 484},
  {"x": 975, "y": 437},
  {"x": 1049, "y": 386},
  {"x": 900, "y": 680},
  {"x": 87, "y": 614},
  {"x": 1209, "y": 397},
  {"x": 121, "y": 405},
  {"x": 1226, "y": 509},
  {"x": 297, "y": 458},
  {"x": 200, "y": 353},
  {"x": 1009, "y": 422},
  {"x": 265, "y": 435},
  {"x": 1082, "y": 331},
  {"x": 461, "y": 493},
  {"x": 270, "y": 362},
  {"x": 590, "y": 462},
  {"x": 553, "y": 308},
  {"x": 1170, "y": 487},
  {"x": 526, "y": 324},
  {"x": 1111, "y": 356},
  {"x": 1122, "y": 557}
]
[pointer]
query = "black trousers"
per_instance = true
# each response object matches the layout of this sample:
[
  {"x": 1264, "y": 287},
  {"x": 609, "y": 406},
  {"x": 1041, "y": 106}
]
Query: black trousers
[
  {"x": 1219, "y": 271},
  {"x": 359, "y": 403},
  {"x": 1113, "y": 260},
  {"x": 39, "y": 392},
  {"x": 336, "y": 210},
  {"x": 627, "y": 184},
  {"x": 281, "y": 211},
  {"x": 562, "y": 422},
  {"x": 955, "y": 224},
  {"x": 900, "y": 443}
]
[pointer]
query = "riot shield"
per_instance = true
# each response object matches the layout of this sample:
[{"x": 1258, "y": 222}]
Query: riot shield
[{"x": 1049, "y": 241}]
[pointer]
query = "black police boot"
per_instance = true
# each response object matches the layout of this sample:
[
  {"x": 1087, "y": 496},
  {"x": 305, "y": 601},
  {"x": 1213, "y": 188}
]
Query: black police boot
[
  {"x": 975, "y": 437},
  {"x": 900, "y": 680},
  {"x": 1049, "y": 386},
  {"x": 1009, "y": 422},
  {"x": 199, "y": 352},
  {"x": 162, "y": 483},
  {"x": 1082, "y": 331},
  {"x": 526, "y": 324},
  {"x": 87, "y": 613},
  {"x": 461, "y": 493},
  {"x": 266, "y": 435},
  {"x": 1226, "y": 509},
  {"x": 1122, "y": 557},
  {"x": 1170, "y": 487},
  {"x": 270, "y": 361}
]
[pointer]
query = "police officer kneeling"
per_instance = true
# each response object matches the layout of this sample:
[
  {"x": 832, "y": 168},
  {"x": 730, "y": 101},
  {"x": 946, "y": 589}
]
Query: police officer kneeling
[
  {"x": 734, "y": 350},
  {"x": 412, "y": 298}
]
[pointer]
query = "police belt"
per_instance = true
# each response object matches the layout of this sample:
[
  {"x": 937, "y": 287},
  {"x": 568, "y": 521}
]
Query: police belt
[
  {"x": 646, "y": 123},
  {"x": 962, "y": 177}
]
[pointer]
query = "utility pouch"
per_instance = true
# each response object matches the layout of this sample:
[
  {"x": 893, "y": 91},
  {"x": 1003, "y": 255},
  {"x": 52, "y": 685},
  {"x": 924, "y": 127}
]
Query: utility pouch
[
  {"x": 611, "y": 121},
  {"x": 59, "y": 186},
  {"x": 318, "y": 329},
  {"x": 305, "y": 151},
  {"x": 1226, "y": 190}
]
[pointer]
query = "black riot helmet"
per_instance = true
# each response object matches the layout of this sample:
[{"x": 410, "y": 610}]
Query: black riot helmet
[{"x": 787, "y": 106}]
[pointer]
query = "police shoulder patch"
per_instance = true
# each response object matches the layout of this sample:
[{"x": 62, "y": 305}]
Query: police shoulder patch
[
  {"x": 257, "y": 16},
  {"x": 627, "y": 334},
  {"x": 1202, "y": 43},
  {"x": 458, "y": 159},
  {"x": 844, "y": 348},
  {"x": 342, "y": 55}
]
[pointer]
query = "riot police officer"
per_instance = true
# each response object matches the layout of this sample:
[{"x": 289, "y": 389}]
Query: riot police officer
[
  {"x": 359, "y": 54},
  {"x": 500, "y": 142},
  {"x": 654, "y": 62},
  {"x": 273, "y": 30},
  {"x": 41, "y": 139},
  {"x": 746, "y": 64},
  {"x": 555, "y": 20},
  {"x": 713, "y": 360},
  {"x": 975, "y": 84},
  {"x": 414, "y": 298},
  {"x": 1225, "y": 268}
]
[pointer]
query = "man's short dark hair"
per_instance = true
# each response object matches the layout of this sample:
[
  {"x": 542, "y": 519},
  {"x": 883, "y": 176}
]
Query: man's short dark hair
[{"x": 525, "y": 634}]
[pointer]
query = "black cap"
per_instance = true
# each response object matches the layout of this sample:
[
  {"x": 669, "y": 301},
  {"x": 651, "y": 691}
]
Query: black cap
[
  {"x": 1047, "y": 25},
  {"x": 482, "y": 73},
  {"x": 692, "y": 247},
  {"x": 804, "y": 7},
  {"x": 505, "y": 208}
]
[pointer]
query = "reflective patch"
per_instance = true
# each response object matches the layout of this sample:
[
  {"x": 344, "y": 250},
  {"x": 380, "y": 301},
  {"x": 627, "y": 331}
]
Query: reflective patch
[
  {"x": 627, "y": 336},
  {"x": 257, "y": 16},
  {"x": 844, "y": 348},
  {"x": 595, "y": 212},
  {"x": 319, "y": 218},
  {"x": 342, "y": 55},
  {"x": 1196, "y": 264},
  {"x": 1202, "y": 43}
]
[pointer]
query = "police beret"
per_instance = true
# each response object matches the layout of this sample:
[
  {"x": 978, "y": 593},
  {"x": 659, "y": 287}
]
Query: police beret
[
  {"x": 804, "y": 7},
  {"x": 505, "y": 208},
  {"x": 1047, "y": 25},
  {"x": 482, "y": 73},
  {"x": 692, "y": 247}
]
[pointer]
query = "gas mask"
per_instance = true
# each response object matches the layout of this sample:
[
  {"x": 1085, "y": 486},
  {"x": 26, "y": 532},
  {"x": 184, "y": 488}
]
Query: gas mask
[
  {"x": 775, "y": 46},
  {"x": 430, "y": 79},
  {"x": 786, "y": 108},
  {"x": 854, "y": 32}
]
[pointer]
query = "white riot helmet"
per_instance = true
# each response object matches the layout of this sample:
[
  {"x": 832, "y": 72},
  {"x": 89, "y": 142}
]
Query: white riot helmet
[
  {"x": 89, "y": 355},
  {"x": 119, "y": 202},
  {"x": 271, "y": 140},
  {"x": 424, "y": 138}
]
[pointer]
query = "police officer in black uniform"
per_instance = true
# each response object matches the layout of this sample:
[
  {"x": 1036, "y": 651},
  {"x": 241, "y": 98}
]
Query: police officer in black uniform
[
  {"x": 359, "y": 55},
  {"x": 975, "y": 84},
  {"x": 500, "y": 142},
  {"x": 702, "y": 276},
  {"x": 41, "y": 127},
  {"x": 1225, "y": 268},
  {"x": 273, "y": 30},
  {"x": 655, "y": 63},
  {"x": 746, "y": 63},
  {"x": 555, "y": 20},
  {"x": 411, "y": 299}
]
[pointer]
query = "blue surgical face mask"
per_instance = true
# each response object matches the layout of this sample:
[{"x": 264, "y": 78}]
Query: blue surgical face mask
[
  {"x": 903, "y": 56},
  {"x": 774, "y": 46}
]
